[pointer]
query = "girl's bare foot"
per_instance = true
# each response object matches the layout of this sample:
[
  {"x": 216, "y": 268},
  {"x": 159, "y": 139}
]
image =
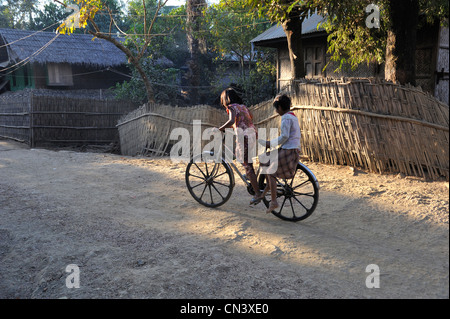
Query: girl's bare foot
[{"x": 273, "y": 205}]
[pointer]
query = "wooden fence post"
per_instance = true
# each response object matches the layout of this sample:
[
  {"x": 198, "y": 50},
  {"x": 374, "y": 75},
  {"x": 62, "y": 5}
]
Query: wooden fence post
[{"x": 31, "y": 110}]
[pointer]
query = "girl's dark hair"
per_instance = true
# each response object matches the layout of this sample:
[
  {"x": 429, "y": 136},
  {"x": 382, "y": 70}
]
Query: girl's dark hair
[
  {"x": 282, "y": 101},
  {"x": 230, "y": 96}
]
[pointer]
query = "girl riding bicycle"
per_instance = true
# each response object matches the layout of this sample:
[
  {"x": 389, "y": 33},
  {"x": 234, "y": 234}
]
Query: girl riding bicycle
[
  {"x": 289, "y": 151},
  {"x": 240, "y": 118}
]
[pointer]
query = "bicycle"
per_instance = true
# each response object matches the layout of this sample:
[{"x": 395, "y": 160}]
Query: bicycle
[{"x": 213, "y": 185}]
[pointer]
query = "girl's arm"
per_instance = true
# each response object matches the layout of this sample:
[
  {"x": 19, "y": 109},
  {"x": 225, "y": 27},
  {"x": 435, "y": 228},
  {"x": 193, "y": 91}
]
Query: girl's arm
[
  {"x": 231, "y": 120},
  {"x": 285, "y": 131}
]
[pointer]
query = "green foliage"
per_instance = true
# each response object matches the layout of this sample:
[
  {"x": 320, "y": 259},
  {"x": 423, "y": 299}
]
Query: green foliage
[
  {"x": 168, "y": 42},
  {"x": 50, "y": 15},
  {"x": 17, "y": 14},
  {"x": 25, "y": 14},
  {"x": 435, "y": 10},
  {"x": 231, "y": 27},
  {"x": 274, "y": 10},
  {"x": 231, "y": 30},
  {"x": 256, "y": 86},
  {"x": 260, "y": 84},
  {"x": 351, "y": 42},
  {"x": 168, "y": 36},
  {"x": 162, "y": 78},
  {"x": 103, "y": 19},
  {"x": 173, "y": 45}
]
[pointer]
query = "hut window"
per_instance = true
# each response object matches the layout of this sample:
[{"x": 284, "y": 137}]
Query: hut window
[
  {"x": 60, "y": 74},
  {"x": 314, "y": 61}
]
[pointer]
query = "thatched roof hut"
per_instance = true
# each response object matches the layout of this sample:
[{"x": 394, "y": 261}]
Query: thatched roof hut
[
  {"x": 38, "y": 59},
  {"x": 44, "y": 47}
]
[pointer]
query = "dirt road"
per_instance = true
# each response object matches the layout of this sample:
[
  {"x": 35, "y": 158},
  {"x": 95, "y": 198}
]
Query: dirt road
[{"x": 133, "y": 230}]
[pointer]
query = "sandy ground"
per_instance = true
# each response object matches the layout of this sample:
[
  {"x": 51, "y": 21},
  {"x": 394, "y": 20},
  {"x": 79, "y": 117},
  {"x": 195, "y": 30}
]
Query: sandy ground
[{"x": 133, "y": 230}]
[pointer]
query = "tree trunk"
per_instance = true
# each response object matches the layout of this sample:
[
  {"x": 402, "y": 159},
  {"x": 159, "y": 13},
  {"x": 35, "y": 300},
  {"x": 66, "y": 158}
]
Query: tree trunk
[
  {"x": 196, "y": 48},
  {"x": 292, "y": 26},
  {"x": 400, "y": 63},
  {"x": 148, "y": 85}
]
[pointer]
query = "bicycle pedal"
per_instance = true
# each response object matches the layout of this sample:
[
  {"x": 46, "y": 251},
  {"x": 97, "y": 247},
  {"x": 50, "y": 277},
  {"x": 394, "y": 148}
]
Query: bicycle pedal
[{"x": 254, "y": 202}]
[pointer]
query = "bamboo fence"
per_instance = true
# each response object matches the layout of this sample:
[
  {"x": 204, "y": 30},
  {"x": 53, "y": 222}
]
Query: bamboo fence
[
  {"x": 371, "y": 124},
  {"x": 40, "y": 119},
  {"x": 15, "y": 118},
  {"x": 365, "y": 123},
  {"x": 146, "y": 131}
]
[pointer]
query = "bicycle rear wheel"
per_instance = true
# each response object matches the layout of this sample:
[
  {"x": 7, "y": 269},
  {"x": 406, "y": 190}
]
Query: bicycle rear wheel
[
  {"x": 210, "y": 184},
  {"x": 298, "y": 197}
]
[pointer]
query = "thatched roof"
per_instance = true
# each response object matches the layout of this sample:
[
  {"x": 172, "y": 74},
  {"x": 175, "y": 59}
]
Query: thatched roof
[{"x": 73, "y": 49}]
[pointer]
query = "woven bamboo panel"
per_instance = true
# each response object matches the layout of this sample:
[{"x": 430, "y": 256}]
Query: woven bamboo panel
[
  {"x": 50, "y": 119},
  {"x": 15, "y": 118},
  {"x": 369, "y": 124},
  {"x": 71, "y": 120},
  {"x": 147, "y": 130}
]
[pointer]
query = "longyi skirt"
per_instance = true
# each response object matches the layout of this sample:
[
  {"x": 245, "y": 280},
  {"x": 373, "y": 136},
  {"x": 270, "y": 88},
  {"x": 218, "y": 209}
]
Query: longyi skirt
[{"x": 286, "y": 164}]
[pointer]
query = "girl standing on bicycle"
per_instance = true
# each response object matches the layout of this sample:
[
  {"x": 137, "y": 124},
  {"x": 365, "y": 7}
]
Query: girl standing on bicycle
[
  {"x": 289, "y": 151},
  {"x": 240, "y": 118}
]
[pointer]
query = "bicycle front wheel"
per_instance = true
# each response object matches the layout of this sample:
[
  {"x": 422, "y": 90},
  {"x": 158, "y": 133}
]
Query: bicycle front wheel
[
  {"x": 210, "y": 184},
  {"x": 297, "y": 197}
]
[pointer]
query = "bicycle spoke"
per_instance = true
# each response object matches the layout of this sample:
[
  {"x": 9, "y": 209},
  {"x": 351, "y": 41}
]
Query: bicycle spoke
[
  {"x": 217, "y": 191},
  {"x": 282, "y": 205},
  {"x": 210, "y": 194},
  {"x": 292, "y": 208},
  {"x": 301, "y": 184},
  {"x": 198, "y": 185},
  {"x": 203, "y": 192},
  {"x": 301, "y": 204},
  {"x": 292, "y": 180},
  {"x": 221, "y": 174},
  {"x": 304, "y": 194},
  {"x": 216, "y": 170},
  {"x": 228, "y": 186},
  {"x": 200, "y": 170},
  {"x": 196, "y": 176}
]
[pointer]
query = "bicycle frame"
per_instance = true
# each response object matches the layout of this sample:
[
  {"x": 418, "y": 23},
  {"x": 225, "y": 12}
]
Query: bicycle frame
[{"x": 233, "y": 167}]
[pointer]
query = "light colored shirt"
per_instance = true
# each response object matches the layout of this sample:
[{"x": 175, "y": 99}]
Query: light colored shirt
[{"x": 290, "y": 132}]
